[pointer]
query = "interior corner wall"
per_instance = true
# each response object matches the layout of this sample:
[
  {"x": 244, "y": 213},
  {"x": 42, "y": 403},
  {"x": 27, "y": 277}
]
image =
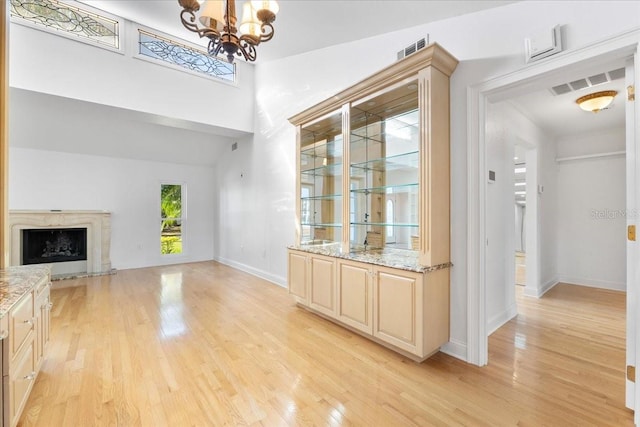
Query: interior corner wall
[
  {"x": 254, "y": 199},
  {"x": 488, "y": 44},
  {"x": 500, "y": 258},
  {"x": 129, "y": 189},
  {"x": 592, "y": 211}
]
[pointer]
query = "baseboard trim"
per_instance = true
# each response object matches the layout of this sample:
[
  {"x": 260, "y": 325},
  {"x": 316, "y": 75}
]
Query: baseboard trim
[
  {"x": 455, "y": 348},
  {"x": 591, "y": 283},
  {"x": 537, "y": 293},
  {"x": 277, "y": 280},
  {"x": 501, "y": 318}
]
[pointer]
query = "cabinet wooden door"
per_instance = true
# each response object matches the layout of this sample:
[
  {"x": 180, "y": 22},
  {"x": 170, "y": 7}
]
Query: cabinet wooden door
[
  {"x": 354, "y": 296},
  {"x": 42, "y": 311},
  {"x": 323, "y": 285},
  {"x": 297, "y": 276},
  {"x": 397, "y": 310}
]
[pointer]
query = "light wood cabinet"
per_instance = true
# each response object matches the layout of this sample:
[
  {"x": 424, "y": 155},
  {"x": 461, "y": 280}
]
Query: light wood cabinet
[
  {"x": 43, "y": 318},
  {"x": 398, "y": 308},
  {"x": 312, "y": 281},
  {"x": 372, "y": 248},
  {"x": 322, "y": 285},
  {"x": 355, "y": 298},
  {"x": 23, "y": 350},
  {"x": 297, "y": 275}
]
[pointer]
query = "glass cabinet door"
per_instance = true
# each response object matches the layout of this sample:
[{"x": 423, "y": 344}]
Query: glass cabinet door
[
  {"x": 321, "y": 181},
  {"x": 384, "y": 164}
]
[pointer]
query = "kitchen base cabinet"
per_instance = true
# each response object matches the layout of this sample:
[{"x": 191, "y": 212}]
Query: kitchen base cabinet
[{"x": 25, "y": 331}]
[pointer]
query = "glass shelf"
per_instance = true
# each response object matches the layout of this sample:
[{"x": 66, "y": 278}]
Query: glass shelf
[
  {"x": 408, "y": 188},
  {"x": 382, "y": 224},
  {"x": 384, "y": 170},
  {"x": 321, "y": 180},
  {"x": 333, "y": 169},
  {"x": 323, "y": 197},
  {"x": 323, "y": 225},
  {"x": 406, "y": 161}
]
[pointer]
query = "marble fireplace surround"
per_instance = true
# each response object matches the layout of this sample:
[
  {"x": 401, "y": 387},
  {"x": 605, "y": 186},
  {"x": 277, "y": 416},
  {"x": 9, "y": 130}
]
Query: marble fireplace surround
[{"x": 97, "y": 223}]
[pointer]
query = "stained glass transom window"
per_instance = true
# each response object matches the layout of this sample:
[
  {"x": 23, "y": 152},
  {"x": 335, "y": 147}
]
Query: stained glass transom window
[
  {"x": 70, "y": 20},
  {"x": 169, "y": 51}
]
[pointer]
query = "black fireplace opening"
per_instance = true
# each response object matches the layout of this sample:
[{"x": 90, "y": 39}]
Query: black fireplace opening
[{"x": 48, "y": 245}]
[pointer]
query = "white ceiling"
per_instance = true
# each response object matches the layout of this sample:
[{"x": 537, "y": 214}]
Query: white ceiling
[
  {"x": 559, "y": 115},
  {"x": 303, "y": 25}
]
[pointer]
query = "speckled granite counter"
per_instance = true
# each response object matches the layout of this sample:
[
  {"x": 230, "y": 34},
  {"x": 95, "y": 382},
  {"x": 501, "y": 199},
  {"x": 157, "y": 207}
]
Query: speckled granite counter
[
  {"x": 395, "y": 258},
  {"x": 17, "y": 281}
]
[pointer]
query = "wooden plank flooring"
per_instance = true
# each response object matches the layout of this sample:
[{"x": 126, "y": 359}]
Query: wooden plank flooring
[{"x": 205, "y": 345}]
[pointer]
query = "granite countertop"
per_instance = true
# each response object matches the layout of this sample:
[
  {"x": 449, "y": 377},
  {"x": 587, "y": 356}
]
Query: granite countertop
[
  {"x": 395, "y": 258},
  {"x": 17, "y": 281}
]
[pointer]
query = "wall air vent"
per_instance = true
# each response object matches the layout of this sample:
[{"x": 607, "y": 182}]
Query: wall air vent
[
  {"x": 413, "y": 48},
  {"x": 587, "y": 82}
]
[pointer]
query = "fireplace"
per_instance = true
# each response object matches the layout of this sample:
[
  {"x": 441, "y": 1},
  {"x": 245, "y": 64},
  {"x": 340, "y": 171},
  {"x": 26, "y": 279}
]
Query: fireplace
[
  {"x": 49, "y": 245},
  {"x": 90, "y": 256}
]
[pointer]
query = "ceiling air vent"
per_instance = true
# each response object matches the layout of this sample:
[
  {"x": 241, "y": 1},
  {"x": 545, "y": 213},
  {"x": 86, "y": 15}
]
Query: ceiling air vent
[
  {"x": 413, "y": 48},
  {"x": 594, "y": 80},
  {"x": 561, "y": 89}
]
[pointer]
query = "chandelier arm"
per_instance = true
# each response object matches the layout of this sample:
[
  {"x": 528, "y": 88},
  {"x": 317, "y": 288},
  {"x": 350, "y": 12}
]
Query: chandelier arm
[
  {"x": 247, "y": 49},
  {"x": 267, "y": 32},
  {"x": 188, "y": 19}
]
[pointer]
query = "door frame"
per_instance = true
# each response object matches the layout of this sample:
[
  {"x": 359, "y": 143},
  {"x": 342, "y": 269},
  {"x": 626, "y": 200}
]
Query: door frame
[{"x": 478, "y": 96}]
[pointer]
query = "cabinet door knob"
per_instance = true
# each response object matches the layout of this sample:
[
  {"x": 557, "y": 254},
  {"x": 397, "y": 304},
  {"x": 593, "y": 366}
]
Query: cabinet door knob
[
  {"x": 4, "y": 334},
  {"x": 31, "y": 376},
  {"x": 50, "y": 305},
  {"x": 31, "y": 321}
]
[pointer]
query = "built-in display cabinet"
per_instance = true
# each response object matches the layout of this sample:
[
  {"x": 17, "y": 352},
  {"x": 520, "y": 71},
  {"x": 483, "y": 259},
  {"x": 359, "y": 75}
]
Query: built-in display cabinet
[{"x": 372, "y": 239}]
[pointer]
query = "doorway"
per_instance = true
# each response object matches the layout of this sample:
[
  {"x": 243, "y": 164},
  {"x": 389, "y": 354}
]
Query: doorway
[{"x": 498, "y": 89}]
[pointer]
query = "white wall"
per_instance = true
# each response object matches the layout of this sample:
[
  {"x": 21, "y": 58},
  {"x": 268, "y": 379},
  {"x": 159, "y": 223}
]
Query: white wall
[
  {"x": 591, "y": 211},
  {"x": 488, "y": 44},
  {"x": 129, "y": 189},
  {"x": 501, "y": 302},
  {"x": 42, "y": 62}
]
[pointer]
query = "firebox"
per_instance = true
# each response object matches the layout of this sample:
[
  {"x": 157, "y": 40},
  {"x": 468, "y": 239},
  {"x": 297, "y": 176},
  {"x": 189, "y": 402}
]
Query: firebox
[{"x": 53, "y": 245}]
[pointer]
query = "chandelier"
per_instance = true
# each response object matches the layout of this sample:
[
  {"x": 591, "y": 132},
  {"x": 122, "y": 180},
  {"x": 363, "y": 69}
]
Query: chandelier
[{"x": 219, "y": 20}]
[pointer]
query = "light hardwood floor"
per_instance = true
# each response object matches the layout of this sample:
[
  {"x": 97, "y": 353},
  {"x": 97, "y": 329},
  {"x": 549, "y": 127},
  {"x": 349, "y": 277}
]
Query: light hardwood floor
[{"x": 203, "y": 344}]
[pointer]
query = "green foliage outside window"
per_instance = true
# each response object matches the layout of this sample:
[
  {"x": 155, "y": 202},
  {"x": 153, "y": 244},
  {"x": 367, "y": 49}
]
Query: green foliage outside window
[{"x": 171, "y": 222}]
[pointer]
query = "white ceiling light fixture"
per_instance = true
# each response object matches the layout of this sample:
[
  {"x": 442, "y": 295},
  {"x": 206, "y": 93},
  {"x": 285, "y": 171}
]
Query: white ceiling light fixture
[
  {"x": 219, "y": 20},
  {"x": 597, "y": 101}
]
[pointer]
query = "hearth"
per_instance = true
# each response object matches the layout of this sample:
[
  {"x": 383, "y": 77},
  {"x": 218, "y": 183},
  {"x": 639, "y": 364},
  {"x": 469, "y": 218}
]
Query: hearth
[{"x": 53, "y": 245}]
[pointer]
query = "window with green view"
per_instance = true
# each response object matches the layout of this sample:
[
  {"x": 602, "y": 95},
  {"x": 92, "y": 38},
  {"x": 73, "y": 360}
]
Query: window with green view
[{"x": 171, "y": 218}]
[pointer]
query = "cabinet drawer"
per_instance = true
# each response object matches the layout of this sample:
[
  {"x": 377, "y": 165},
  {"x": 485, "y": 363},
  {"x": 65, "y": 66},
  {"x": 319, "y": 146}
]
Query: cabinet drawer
[
  {"x": 21, "y": 323},
  {"x": 20, "y": 382}
]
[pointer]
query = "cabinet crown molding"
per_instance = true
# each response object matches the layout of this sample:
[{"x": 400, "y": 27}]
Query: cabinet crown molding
[{"x": 432, "y": 55}]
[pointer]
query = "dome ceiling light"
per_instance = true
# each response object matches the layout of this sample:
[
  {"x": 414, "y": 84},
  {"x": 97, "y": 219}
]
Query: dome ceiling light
[{"x": 597, "y": 101}]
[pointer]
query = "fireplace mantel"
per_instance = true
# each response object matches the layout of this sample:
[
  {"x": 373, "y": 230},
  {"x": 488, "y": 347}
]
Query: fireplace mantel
[{"x": 97, "y": 223}]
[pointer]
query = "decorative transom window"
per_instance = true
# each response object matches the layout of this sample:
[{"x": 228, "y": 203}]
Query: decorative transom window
[
  {"x": 189, "y": 58},
  {"x": 64, "y": 19}
]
